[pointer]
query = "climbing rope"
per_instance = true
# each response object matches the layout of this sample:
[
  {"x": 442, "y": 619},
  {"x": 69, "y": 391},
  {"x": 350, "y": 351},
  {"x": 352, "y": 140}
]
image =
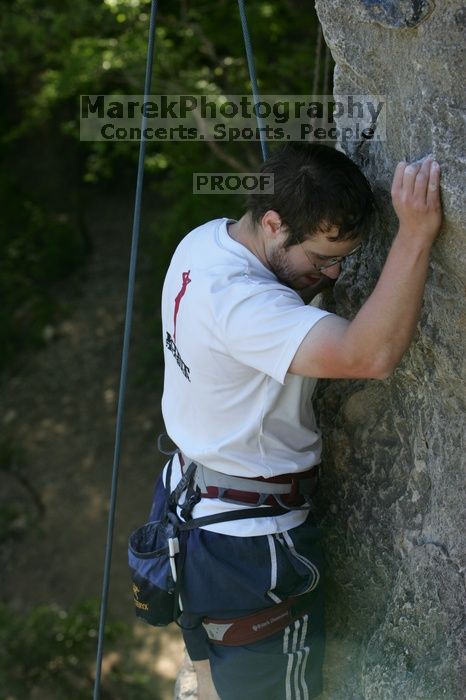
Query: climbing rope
[
  {"x": 253, "y": 77},
  {"x": 125, "y": 353},
  {"x": 130, "y": 304},
  {"x": 317, "y": 53}
]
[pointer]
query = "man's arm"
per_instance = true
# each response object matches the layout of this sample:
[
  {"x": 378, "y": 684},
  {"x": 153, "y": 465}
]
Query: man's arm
[{"x": 373, "y": 343}]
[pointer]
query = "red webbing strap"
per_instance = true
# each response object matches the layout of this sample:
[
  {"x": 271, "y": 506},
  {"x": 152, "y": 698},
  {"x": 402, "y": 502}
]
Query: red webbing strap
[{"x": 256, "y": 626}]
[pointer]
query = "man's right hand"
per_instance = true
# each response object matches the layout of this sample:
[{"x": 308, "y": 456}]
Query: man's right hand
[{"x": 416, "y": 200}]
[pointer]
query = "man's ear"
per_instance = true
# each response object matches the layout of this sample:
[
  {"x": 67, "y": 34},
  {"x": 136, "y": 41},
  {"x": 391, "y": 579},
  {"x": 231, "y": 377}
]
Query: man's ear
[{"x": 272, "y": 224}]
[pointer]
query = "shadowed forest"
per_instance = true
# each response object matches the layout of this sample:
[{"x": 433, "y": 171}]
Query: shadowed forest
[{"x": 66, "y": 211}]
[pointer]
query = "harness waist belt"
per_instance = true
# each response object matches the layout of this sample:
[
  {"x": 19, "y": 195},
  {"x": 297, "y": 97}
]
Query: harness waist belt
[
  {"x": 256, "y": 626},
  {"x": 286, "y": 489}
]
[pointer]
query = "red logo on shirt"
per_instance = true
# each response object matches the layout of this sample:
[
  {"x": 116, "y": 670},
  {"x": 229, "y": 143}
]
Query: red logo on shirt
[
  {"x": 169, "y": 341},
  {"x": 178, "y": 298}
]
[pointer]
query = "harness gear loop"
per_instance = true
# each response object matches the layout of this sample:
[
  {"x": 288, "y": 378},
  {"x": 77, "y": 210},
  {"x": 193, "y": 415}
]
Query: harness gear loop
[
  {"x": 160, "y": 440},
  {"x": 307, "y": 501}
]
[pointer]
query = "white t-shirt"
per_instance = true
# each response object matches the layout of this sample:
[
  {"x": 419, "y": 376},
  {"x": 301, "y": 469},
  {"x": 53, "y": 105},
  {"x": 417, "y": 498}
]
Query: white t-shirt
[{"x": 231, "y": 330}]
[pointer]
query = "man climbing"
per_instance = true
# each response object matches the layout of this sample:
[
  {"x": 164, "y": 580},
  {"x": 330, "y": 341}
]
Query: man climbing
[{"x": 242, "y": 355}]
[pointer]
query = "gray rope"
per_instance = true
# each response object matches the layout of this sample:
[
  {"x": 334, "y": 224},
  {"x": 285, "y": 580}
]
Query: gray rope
[
  {"x": 318, "y": 51},
  {"x": 326, "y": 70},
  {"x": 125, "y": 354},
  {"x": 253, "y": 77}
]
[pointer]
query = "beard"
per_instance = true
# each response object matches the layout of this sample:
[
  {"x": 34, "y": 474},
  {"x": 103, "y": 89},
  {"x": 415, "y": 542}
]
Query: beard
[{"x": 280, "y": 266}]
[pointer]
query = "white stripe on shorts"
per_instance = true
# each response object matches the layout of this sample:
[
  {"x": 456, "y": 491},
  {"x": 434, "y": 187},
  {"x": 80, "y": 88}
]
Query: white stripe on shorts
[
  {"x": 307, "y": 562},
  {"x": 273, "y": 570},
  {"x": 295, "y": 680}
]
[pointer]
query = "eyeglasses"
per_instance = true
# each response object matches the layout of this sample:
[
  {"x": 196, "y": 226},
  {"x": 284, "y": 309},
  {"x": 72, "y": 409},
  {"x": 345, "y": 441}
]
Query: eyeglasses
[{"x": 329, "y": 261}]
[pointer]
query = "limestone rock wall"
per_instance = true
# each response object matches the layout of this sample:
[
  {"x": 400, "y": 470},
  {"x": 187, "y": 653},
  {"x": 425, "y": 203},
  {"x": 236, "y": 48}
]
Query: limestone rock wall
[{"x": 393, "y": 485}]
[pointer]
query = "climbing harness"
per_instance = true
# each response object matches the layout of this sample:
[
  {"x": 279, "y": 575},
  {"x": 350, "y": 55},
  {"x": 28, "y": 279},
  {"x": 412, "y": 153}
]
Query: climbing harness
[
  {"x": 157, "y": 550},
  {"x": 289, "y": 491}
]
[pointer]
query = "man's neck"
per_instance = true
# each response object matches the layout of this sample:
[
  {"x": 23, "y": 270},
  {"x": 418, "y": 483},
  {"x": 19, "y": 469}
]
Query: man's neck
[{"x": 243, "y": 232}]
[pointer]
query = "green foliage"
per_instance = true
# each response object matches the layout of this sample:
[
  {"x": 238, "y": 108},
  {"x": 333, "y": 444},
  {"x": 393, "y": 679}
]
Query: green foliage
[
  {"x": 9, "y": 514},
  {"x": 50, "y": 53},
  {"x": 22, "y": 506},
  {"x": 9, "y": 511},
  {"x": 38, "y": 249},
  {"x": 51, "y": 651},
  {"x": 54, "y": 52},
  {"x": 50, "y": 648}
]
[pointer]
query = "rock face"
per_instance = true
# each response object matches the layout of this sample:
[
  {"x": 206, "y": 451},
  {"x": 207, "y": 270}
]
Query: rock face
[{"x": 392, "y": 497}]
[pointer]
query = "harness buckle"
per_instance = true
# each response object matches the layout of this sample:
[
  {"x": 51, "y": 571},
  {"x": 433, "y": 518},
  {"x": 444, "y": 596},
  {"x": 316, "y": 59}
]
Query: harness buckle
[{"x": 193, "y": 497}]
